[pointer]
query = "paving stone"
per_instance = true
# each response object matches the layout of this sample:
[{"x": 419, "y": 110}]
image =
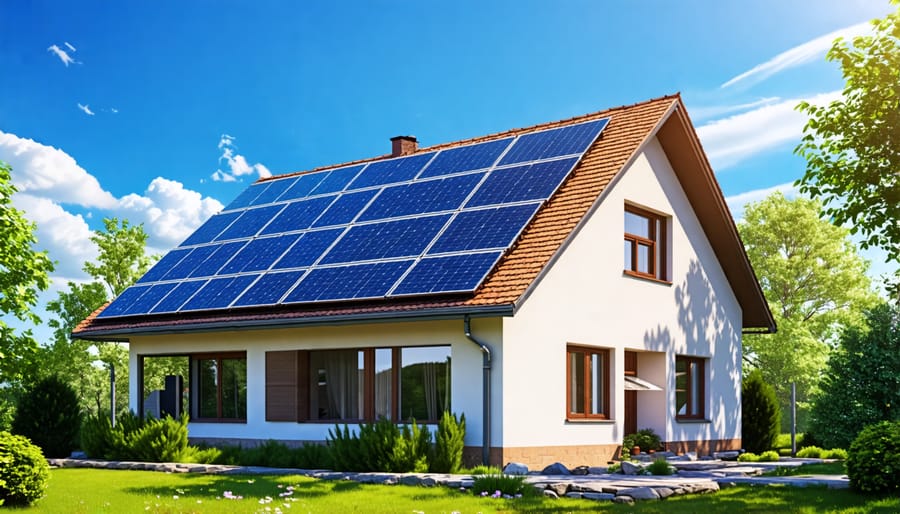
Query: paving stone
[
  {"x": 559, "y": 487},
  {"x": 410, "y": 480},
  {"x": 663, "y": 492},
  {"x": 428, "y": 482},
  {"x": 640, "y": 493},
  {"x": 598, "y": 496},
  {"x": 574, "y": 495},
  {"x": 549, "y": 493},
  {"x": 628, "y": 500}
]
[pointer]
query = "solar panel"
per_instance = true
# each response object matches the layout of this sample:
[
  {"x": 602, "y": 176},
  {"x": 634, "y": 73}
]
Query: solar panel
[
  {"x": 402, "y": 169},
  {"x": 466, "y": 158},
  {"x": 345, "y": 209},
  {"x": 453, "y": 273},
  {"x": 348, "y": 282},
  {"x": 429, "y": 223},
  {"x": 259, "y": 254},
  {"x": 486, "y": 228},
  {"x": 269, "y": 288},
  {"x": 218, "y": 293},
  {"x": 385, "y": 240},
  {"x": 568, "y": 140}
]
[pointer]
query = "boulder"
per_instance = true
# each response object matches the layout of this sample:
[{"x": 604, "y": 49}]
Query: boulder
[
  {"x": 549, "y": 493},
  {"x": 664, "y": 492},
  {"x": 640, "y": 493},
  {"x": 557, "y": 468},
  {"x": 581, "y": 470},
  {"x": 630, "y": 468},
  {"x": 628, "y": 500},
  {"x": 515, "y": 468},
  {"x": 559, "y": 488},
  {"x": 598, "y": 496}
]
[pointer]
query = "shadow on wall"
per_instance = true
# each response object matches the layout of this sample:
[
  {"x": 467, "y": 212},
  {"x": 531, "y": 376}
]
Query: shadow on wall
[{"x": 703, "y": 322}]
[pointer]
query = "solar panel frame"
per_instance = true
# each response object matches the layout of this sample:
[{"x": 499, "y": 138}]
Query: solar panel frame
[
  {"x": 178, "y": 296},
  {"x": 345, "y": 209},
  {"x": 269, "y": 289},
  {"x": 214, "y": 262},
  {"x": 251, "y": 222},
  {"x": 390, "y": 171},
  {"x": 303, "y": 186},
  {"x": 442, "y": 194},
  {"x": 350, "y": 282},
  {"x": 446, "y": 274},
  {"x": 314, "y": 245},
  {"x": 149, "y": 299},
  {"x": 163, "y": 265},
  {"x": 386, "y": 239},
  {"x": 555, "y": 142},
  {"x": 218, "y": 293},
  {"x": 275, "y": 189},
  {"x": 534, "y": 181},
  {"x": 466, "y": 158},
  {"x": 211, "y": 228},
  {"x": 337, "y": 180},
  {"x": 259, "y": 254},
  {"x": 123, "y": 301},
  {"x": 480, "y": 229}
]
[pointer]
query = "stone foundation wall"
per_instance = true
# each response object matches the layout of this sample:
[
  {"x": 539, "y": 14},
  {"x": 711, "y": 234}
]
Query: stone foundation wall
[
  {"x": 703, "y": 447},
  {"x": 538, "y": 457}
]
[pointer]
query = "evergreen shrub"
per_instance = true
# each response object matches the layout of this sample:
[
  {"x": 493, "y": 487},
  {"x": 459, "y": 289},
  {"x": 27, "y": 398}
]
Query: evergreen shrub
[
  {"x": 448, "y": 444},
  {"x": 48, "y": 415},
  {"x": 761, "y": 415}
]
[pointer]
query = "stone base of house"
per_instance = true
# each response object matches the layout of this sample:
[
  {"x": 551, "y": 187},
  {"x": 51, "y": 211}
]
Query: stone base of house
[
  {"x": 703, "y": 447},
  {"x": 539, "y": 457}
]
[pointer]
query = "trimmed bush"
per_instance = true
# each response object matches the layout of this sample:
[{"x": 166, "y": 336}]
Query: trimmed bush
[
  {"x": 761, "y": 415},
  {"x": 873, "y": 464},
  {"x": 769, "y": 456},
  {"x": 48, "y": 415},
  {"x": 748, "y": 457},
  {"x": 835, "y": 453},
  {"x": 810, "y": 452},
  {"x": 448, "y": 444},
  {"x": 23, "y": 471}
]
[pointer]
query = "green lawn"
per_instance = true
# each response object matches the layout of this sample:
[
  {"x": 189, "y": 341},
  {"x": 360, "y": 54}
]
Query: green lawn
[
  {"x": 824, "y": 468},
  {"x": 108, "y": 491}
]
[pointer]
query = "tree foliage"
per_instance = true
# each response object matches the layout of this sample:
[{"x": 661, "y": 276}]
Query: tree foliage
[
  {"x": 861, "y": 383},
  {"x": 122, "y": 258},
  {"x": 852, "y": 145},
  {"x": 760, "y": 414},
  {"x": 814, "y": 281}
]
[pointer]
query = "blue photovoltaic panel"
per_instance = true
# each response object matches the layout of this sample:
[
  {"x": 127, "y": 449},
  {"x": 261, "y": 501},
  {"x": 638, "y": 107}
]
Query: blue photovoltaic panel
[
  {"x": 348, "y": 282},
  {"x": 250, "y": 222},
  {"x": 453, "y": 273},
  {"x": 487, "y": 228},
  {"x": 336, "y": 180},
  {"x": 176, "y": 297},
  {"x": 273, "y": 191},
  {"x": 217, "y": 259},
  {"x": 302, "y": 186},
  {"x": 218, "y": 293},
  {"x": 190, "y": 262},
  {"x": 164, "y": 265},
  {"x": 568, "y": 140},
  {"x": 269, "y": 288},
  {"x": 246, "y": 198},
  {"x": 466, "y": 158},
  {"x": 259, "y": 254},
  {"x": 345, "y": 209},
  {"x": 523, "y": 183},
  {"x": 308, "y": 249},
  {"x": 298, "y": 215},
  {"x": 149, "y": 299},
  {"x": 402, "y": 169},
  {"x": 123, "y": 301},
  {"x": 212, "y": 228},
  {"x": 384, "y": 240},
  {"x": 421, "y": 197}
]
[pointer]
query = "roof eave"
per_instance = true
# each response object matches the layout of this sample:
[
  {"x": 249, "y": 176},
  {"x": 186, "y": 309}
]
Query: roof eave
[{"x": 440, "y": 313}]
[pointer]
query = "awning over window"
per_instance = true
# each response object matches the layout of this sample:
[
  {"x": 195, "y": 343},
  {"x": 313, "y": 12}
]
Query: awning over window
[{"x": 639, "y": 384}]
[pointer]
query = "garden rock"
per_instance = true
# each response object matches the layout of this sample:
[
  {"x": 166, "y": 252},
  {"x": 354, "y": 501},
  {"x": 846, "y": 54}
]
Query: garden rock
[
  {"x": 628, "y": 500},
  {"x": 663, "y": 492},
  {"x": 640, "y": 493},
  {"x": 630, "y": 468},
  {"x": 410, "y": 480},
  {"x": 598, "y": 496},
  {"x": 549, "y": 493},
  {"x": 575, "y": 495},
  {"x": 581, "y": 470},
  {"x": 557, "y": 468},
  {"x": 515, "y": 468},
  {"x": 559, "y": 488}
]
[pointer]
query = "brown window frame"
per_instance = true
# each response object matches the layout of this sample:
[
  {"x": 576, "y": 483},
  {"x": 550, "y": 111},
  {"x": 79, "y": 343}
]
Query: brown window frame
[
  {"x": 700, "y": 411},
  {"x": 195, "y": 404},
  {"x": 588, "y": 352},
  {"x": 658, "y": 258}
]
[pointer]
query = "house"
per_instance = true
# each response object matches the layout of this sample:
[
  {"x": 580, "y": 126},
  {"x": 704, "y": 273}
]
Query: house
[{"x": 484, "y": 276}]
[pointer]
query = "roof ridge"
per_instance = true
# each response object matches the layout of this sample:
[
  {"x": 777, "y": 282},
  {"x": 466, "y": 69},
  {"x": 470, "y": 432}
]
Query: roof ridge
[{"x": 483, "y": 138}]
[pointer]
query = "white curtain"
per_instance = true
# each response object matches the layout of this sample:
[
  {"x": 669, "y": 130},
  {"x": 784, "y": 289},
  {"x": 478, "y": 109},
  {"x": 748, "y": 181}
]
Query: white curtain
[{"x": 343, "y": 384}]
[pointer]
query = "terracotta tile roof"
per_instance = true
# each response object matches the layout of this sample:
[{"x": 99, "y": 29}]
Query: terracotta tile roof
[{"x": 628, "y": 128}]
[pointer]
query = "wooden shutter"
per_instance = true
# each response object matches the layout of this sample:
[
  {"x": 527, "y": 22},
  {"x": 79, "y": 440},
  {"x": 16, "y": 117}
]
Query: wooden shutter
[{"x": 287, "y": 378}]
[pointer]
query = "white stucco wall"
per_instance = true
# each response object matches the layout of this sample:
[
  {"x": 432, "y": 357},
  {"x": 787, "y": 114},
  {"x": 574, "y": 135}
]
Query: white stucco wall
[
  {"x": 585, "y": 299},
  {"x": 466, "y": 367}
]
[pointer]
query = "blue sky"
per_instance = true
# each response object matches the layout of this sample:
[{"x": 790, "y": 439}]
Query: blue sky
[{"x": 162, "y": 112}]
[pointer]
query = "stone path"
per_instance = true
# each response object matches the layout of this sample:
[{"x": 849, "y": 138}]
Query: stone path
[{"x": 692, "y": 478}]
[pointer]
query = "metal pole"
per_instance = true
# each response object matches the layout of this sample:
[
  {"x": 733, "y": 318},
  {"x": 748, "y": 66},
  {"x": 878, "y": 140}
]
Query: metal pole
[
  {"x": 793, "y": 419},
  {"x": 112, "y": 394}
]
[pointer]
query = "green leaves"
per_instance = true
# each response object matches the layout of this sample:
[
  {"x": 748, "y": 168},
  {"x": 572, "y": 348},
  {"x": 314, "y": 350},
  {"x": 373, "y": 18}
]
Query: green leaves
[{"x": 122, "y": 258}]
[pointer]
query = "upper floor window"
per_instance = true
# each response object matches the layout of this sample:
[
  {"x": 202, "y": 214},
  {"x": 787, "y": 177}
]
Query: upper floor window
[
  {"x": 690, "y": 387},
  {"x": 587, "y": 383},
  {"x": 645, "y": 244}
]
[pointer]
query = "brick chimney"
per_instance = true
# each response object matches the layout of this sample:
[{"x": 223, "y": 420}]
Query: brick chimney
[{"x": 403, "y": 145}]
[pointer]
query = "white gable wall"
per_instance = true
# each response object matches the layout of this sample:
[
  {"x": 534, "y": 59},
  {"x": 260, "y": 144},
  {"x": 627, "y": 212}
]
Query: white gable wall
[{"x": 585, "y": 299}]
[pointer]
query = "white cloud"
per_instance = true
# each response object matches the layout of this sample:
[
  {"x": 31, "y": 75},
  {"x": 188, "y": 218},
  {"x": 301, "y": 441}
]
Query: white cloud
[
  {"x": 49, "y": 172},
  {"x": 799, "y": 55},
  {"x": 65, "y": 235},
  {"x": 737, "y": 203},
  {"x": 700, "y": 113},
  {"x": 62, "y": 54},
  {"x": 237, "y": 164},
  {"x": 87, "y": 110},
  {"x": 70, "y": 47},
  {"x": 113, "y": 110},
  {"x": 730, "y": 140}
]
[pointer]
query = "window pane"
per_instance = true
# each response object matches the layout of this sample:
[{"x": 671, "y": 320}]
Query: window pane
[
  {"x": 234, "y": 388},
  {"x": 383, "y": 379},
  {"x": 696, "y": 370},
  {"x": 643, "y": 258},
  {"x": 207, "y": 394},
  {"x": 337, "y": 392},
  {"x": 576, "y": 387},
  {"x": 637, "y": 225},
  {"x": 629, "y": 246},
  {"x": 597, "y": 384},
  {"x": 424, "y": 382},
  {"x": 660, "y": 244},
  {"x": 681, "y": 385}
]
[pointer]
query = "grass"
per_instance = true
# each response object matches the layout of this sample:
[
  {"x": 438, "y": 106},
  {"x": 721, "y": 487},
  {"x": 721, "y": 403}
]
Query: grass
[
  {"x": 825, "y": 468},
  {"x": 109, "y": 491}
]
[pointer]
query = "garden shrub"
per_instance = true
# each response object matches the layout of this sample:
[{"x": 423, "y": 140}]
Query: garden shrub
[
  {"x": 312, "y": 456},
  {"x": 159, "y": 440},
  {"x": 152, "y": 440},
  {"x": 769, "y": 456},
  {"x": 376, "y": 445},
  {"x": 748, "y": 457},
  {"x": 644, "y": 438},
  {"x": 660, "y": 467},
  {"x": 96, "y": 437},
  {"x": 835, "y": 453},
  {"x": 810, "y": 452},
  {"x": 48, "y": 415},
  {"x": 412, "y": 450},
  {"x": 873, "y": 463},
  {"x": 504, "y": 484},
  {"x": 345, "y": 449},
  {"x": 270, "y": 453},
  {"x": 201, "y": 455},
  {"x": 23, "y": 471},
  {"x": 448, "y": 444},
  {"x": 807, "y": 439},
  {"x": 481, "y": 469},
  {"x": 761, "y": 414}
]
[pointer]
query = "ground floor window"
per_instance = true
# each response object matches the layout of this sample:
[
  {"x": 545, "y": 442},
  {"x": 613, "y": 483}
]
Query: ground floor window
[
  {"x": 358, "y": 384},
  {"x": 690, "y": 387},
  {"x": 219, "y": 387},
  {"x": 587, "y": 383}
]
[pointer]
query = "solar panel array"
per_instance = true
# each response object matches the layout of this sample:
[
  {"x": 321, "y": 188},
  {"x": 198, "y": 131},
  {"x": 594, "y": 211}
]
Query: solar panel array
[{"x": 428, "y": 223}]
